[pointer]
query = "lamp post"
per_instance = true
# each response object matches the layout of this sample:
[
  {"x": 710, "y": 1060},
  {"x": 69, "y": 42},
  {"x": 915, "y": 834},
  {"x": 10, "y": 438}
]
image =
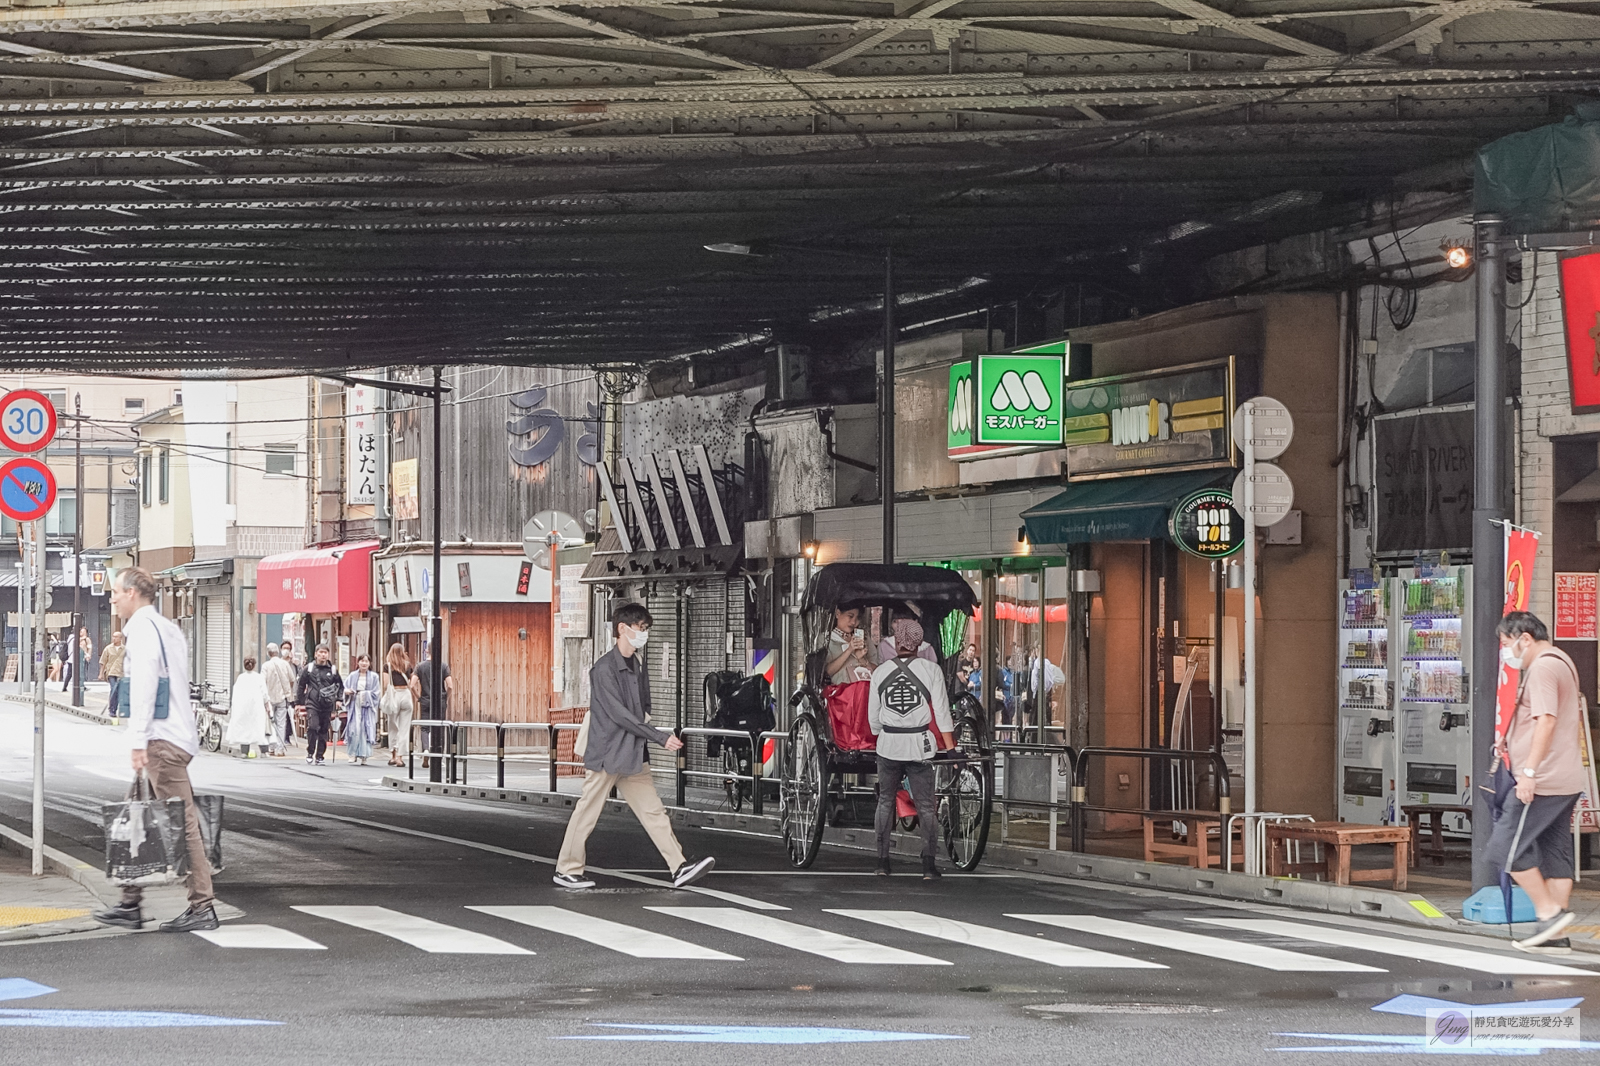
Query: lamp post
[
  {"x": 79, "y": 662},
  {"x": 885, "y": 369}
]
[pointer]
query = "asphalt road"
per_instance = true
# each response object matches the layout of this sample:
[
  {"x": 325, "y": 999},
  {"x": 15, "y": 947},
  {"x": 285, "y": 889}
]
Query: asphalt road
[{"x": 377, "y": 954}]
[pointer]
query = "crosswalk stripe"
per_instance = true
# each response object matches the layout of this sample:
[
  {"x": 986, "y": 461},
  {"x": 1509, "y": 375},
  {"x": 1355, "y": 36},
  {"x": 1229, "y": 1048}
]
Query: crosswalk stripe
[
  {"x": 629, "y": 940},
  {"x": 981, "y": 936},
  {"x": 1422, "y": 951},
  {"x": 834, "y": 946},
  {"x": 1195, "y": 944},
  {"x": 434, "y": 937},
  {"x": 258, "y": 936}
]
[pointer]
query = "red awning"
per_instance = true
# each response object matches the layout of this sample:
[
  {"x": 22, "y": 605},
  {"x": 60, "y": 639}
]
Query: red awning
[{"x": 318, "y": 581}]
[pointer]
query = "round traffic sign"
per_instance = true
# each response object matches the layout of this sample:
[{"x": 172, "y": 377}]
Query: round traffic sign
[
  {"x": 27, "y": 420},
  {"x": 27, "y": 490},
  {"x": 1274, "y": 427},
  {"x": 1274, "y": 494}
]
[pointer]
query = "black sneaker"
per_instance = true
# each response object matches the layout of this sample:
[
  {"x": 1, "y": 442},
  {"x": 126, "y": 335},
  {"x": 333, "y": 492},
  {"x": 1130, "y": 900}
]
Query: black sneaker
[
  {"x": 572, "y": 881},
  {"x": 883, "y": 868},
  {"x": 930, "y": 870},
  {"x": 310, "y": 761},
  {"x": 1556, "y": 946},
  {"x": 1547, "y": 929},
  {"x": 690, "y": 872},
  {"x": 192, "y": 920},
  {"x": 123, "y": 916},
  {"x": 321, "y": 763}
]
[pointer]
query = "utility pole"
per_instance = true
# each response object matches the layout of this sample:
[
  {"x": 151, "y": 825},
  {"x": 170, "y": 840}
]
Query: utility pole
[
  {"x": 76, "y": 651},
  {"x": 886, "y": 409},
  {"x": 436, "y": 625},
  {"x": 40, "y": 599}
]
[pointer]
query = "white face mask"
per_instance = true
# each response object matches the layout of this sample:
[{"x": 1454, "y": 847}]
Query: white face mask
[
  {"x": 1509, "y": 656},
  {"x": 639, "y": 638}
]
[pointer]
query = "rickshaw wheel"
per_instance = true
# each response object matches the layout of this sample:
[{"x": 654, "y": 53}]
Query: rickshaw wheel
[
  {"x": 963, "y": 799},
  {"x": 802, "y": 792}
]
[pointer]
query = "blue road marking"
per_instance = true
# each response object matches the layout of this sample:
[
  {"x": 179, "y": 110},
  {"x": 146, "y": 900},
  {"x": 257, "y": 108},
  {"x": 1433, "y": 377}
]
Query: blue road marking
[
  {"x": 1419, "y": 1006},
  {"x": 116, "y": 1019},
  {"x": 756, "y": 1034},
  {"x": 21, "y": 988}
]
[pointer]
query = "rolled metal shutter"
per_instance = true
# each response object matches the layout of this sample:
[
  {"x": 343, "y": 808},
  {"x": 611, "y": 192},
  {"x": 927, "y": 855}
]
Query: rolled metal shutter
[{"x": 219, "y": 642}]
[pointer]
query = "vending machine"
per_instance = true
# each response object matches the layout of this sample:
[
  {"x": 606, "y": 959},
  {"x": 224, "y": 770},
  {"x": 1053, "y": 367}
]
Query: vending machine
[
  {"x": 1433, "y": 739},
  {"x": 1366, "y": 769}
]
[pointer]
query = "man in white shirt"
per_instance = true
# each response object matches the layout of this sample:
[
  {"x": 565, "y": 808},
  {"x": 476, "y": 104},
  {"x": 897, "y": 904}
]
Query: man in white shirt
[
  {"x": 280, "y": 675},
  {"x": 162, "y": 745},
  {"x": 906, "y": 703}
]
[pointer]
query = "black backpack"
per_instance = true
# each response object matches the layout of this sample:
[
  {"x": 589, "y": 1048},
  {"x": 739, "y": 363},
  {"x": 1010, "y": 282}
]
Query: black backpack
[{"x": 735, "y": 701}]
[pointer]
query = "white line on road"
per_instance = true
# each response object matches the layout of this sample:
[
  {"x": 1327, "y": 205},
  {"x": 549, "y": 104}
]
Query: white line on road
[
  {"x": 434, "y": 937},
  {"x": 258, "y": 936},
  {"x": 834, "y": 946},
  {"x": 629, "y": 940},
  {"x": 981, "y": 936},
  {"x": 1406, "y": 949},
  {"x": 1195, "y": 944}
]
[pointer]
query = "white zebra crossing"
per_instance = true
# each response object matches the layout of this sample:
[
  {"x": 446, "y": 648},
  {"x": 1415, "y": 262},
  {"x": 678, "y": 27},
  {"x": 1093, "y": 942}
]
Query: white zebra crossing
[
  {"x": 433, "y": 937},
  {"x": 1195, "y": 944},
  {"x": 258, "y": 936},
  {"x": 1050, "y": 952},
  {"x": 629, "y": 940},
  {"x": 1422, "y": 951},
  {"x": 805, "y": 938}
]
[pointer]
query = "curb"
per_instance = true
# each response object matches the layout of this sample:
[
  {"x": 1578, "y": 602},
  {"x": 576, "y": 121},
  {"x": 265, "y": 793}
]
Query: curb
[
  {"x": 1407, "y": 908},
  {"x": 88, "y": 876},
  {"x": 80, "y": 712}
]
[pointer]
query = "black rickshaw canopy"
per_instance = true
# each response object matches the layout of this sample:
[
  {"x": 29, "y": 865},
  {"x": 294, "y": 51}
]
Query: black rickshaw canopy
[{"x": 934, "y": 590}]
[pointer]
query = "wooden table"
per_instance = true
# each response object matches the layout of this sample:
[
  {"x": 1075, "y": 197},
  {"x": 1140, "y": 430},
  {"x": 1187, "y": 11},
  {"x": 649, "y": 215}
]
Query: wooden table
[
  {"x": 1339, "y": 838},
  {"x": 1201, "y": 830},
  {"x": 1435, "y": 813}
]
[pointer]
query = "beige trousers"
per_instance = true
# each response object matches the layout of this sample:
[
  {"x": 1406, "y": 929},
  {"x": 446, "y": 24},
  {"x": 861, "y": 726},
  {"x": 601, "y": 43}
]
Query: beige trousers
[{"x": 639, "y": 790}]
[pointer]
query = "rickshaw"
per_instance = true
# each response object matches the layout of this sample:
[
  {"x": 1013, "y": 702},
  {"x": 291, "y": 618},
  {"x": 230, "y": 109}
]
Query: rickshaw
[{"x": 829, "y": 765}]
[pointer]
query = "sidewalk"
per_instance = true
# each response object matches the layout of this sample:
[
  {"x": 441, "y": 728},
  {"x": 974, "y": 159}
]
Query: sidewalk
[
  {"x": 1450, "y": 885},
  {"x": 95, "y": 697},
  {"x": 33, "y": 907}
]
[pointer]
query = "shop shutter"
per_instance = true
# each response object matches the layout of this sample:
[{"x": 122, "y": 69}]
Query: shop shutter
[
  {"x": 219, "y": 643},
  {"x": 711, "y": 609}
]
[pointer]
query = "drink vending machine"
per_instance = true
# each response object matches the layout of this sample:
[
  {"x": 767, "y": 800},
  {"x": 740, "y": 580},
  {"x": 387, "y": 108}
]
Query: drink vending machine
[{"x": 1404, "y": 733}]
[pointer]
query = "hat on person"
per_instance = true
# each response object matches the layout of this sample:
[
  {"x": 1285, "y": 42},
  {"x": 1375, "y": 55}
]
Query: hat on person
[{"x": 907, "y": 635}]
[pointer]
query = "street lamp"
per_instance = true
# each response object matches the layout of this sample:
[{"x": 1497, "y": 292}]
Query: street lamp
[{"x": 885, "y": 367}]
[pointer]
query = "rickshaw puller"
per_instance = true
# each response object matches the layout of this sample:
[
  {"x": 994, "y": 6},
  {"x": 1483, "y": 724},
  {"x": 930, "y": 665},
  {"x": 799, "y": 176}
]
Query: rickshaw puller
[{"x": 907, "y": 698}]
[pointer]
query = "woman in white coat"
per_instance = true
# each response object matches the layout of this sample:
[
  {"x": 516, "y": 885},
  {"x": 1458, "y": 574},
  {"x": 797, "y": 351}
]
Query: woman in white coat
[{"x": 250, "y": 712}]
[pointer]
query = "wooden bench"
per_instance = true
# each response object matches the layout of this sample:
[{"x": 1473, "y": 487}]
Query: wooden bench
[
  {"x": 1339, "y": 838},
  {"x": 1201, "y": 830},
  {"x": 1434, "y": 813}
]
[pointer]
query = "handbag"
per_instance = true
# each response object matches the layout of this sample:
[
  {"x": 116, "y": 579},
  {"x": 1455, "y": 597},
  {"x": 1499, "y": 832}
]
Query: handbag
[
  {"x": 163, "y": 687},
  {"x": 144, "y": 837},
  {"x": 580, "y": 745}
]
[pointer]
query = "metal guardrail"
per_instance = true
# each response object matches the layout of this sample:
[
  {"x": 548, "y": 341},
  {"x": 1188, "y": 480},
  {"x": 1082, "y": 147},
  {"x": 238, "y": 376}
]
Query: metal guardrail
[
  {"x": 1080, "y": 781},
  {"x": 754, "y": 776},
  {"x": 429, "y": 723},
  {"x": 501, "y": 758},
  {"x": 461, "y": 750}
]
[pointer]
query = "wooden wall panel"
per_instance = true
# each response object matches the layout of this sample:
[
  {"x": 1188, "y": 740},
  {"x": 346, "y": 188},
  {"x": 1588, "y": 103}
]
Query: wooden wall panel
[{"x": 500, "y": 677}]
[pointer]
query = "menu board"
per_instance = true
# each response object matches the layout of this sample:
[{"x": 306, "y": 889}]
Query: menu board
[{"x": 1575, "y": 605}]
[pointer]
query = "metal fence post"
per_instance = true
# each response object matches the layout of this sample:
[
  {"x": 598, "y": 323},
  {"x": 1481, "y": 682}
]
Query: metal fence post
[
  {"x": 682, "y": 780},
  {"x": 755, "y": 772},
  {"x": 500, "y": 756},
  {"x": 552, "y": 750}
]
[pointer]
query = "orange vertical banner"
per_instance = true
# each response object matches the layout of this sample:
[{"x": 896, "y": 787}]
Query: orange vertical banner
[{"x": 1522, "y": 548}]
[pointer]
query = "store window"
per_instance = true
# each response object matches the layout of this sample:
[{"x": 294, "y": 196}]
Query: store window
[{"x": 280, "y": 460}]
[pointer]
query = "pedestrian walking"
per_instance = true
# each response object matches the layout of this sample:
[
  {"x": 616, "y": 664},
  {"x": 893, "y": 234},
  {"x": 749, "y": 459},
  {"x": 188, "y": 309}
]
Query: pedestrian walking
[
  {"x": 425, "y": 704},
  {"x": 280, "y": 674},
  {"x": 319, "y": 693},
  {"x": 618, "y": 730},
  {"x": 361, "y": 697},
  {"x": 906, "y": 701},
  {"x": 84, "y": 652},
  {"x": 399, "y": 702},
  {"x": 1533, "y": 838},
  {"x": 162, "y": 745},
  {"x": 249, "y": 712},
  {"x": 111, "y": 659}
]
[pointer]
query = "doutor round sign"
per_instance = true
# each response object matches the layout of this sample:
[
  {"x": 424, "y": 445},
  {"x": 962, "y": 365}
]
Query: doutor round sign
[
  {"x": 27, "y": 420},
  {"x": 1274, "y": 427},
  {"x": 1205, "y": 523},
  {"x": 27, "y": 490},
  {"x": 1274, "y": 493}
]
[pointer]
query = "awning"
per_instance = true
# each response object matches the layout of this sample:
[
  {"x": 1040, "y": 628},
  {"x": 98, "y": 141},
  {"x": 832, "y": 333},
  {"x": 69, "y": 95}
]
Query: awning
[
  {"x": 1132, "y": 508},
  {"x": 318, "y": 581}
]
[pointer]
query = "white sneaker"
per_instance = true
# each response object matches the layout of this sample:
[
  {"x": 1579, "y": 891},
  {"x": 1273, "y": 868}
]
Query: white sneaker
[
  {"x": 690, "y": 872},
  {"x": 572, "y": 881}
]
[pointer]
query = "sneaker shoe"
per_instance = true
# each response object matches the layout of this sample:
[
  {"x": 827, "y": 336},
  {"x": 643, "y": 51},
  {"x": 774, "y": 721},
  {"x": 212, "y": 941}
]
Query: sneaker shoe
[
  {"x": 310, "y": 761},
  {"x": 883, "y": 868},
  {"x": 572, "y": 881},
  {"x": 930, "y": 870},
  {"x": 192, "y": 920},
  {"x": 321, "y": 762},
  {"x": 1547, "y": 929},
  {"x": 123, "y": 916},
  {"x": 690, "y": 872}
]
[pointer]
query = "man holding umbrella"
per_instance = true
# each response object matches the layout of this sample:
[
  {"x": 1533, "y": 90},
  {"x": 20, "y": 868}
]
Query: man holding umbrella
[{"x": 1532, "y": 841}]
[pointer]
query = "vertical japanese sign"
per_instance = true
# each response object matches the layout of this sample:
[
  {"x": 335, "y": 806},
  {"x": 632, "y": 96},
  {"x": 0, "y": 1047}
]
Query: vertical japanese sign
[
  {"x": 1575, "y": 605},
  {"x": 361, "y": 446},
  {"x": 403, "y": 484},
  {"x": 1522, "y": 547}
]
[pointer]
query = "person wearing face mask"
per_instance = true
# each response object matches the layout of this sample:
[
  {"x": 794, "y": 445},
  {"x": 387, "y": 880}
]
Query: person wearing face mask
[
  {"x": 615, "y": 756},
  {"x": 1532, "y": 840}
]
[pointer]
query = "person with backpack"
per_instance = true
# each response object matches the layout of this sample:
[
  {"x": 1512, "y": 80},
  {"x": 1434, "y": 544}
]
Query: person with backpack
[
  {"x": 906, "y": 702},
  {"x": 1532, "y": 841},
  {"x": 319, "y": 692}
]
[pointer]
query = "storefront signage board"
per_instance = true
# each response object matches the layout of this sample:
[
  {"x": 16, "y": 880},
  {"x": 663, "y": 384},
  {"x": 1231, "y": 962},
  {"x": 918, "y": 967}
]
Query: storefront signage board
[
  {"x": 474, "y": 578},
  {"x": 1580, "y": 301},
  {"x": 961, "y": 439},
  {"x": 1205, "y": 524},
  {"x": 1019, "y": 400},
  {"x": 403, "y": 484},
  {"x": 1173, "y": 419},
  {"x": 1576, "y": 602},
  {"x": 1423, "y": 472}
]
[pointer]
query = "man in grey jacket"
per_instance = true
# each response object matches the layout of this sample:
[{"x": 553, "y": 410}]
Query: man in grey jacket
[{"x": 619, "y": 729}]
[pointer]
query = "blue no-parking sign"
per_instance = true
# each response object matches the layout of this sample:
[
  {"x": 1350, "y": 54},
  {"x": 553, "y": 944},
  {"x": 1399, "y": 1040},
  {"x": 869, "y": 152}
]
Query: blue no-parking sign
[{"x": 27, "y": 489}]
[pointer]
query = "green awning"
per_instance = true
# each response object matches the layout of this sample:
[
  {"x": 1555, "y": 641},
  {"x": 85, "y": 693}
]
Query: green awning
[{"x": 1132, "y": 508}]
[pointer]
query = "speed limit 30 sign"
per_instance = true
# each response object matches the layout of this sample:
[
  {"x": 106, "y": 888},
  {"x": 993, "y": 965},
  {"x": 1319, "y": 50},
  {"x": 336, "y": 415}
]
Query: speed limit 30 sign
[{"x": 27, "y": 420}]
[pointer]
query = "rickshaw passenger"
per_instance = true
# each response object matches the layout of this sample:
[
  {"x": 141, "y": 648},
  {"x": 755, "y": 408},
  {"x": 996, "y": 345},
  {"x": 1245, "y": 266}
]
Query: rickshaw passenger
[
  {"x": 848, "y": 657},
  {"x": 906, "y": 699}
]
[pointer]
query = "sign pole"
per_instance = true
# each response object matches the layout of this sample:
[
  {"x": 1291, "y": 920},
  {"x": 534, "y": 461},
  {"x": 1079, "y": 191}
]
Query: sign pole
[
  {"x": 43, "y": 578},
  {"x": 79, "y": 660},
  {"x": 556, "y": 643},
  {"x": 1250, "y": 724}
]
